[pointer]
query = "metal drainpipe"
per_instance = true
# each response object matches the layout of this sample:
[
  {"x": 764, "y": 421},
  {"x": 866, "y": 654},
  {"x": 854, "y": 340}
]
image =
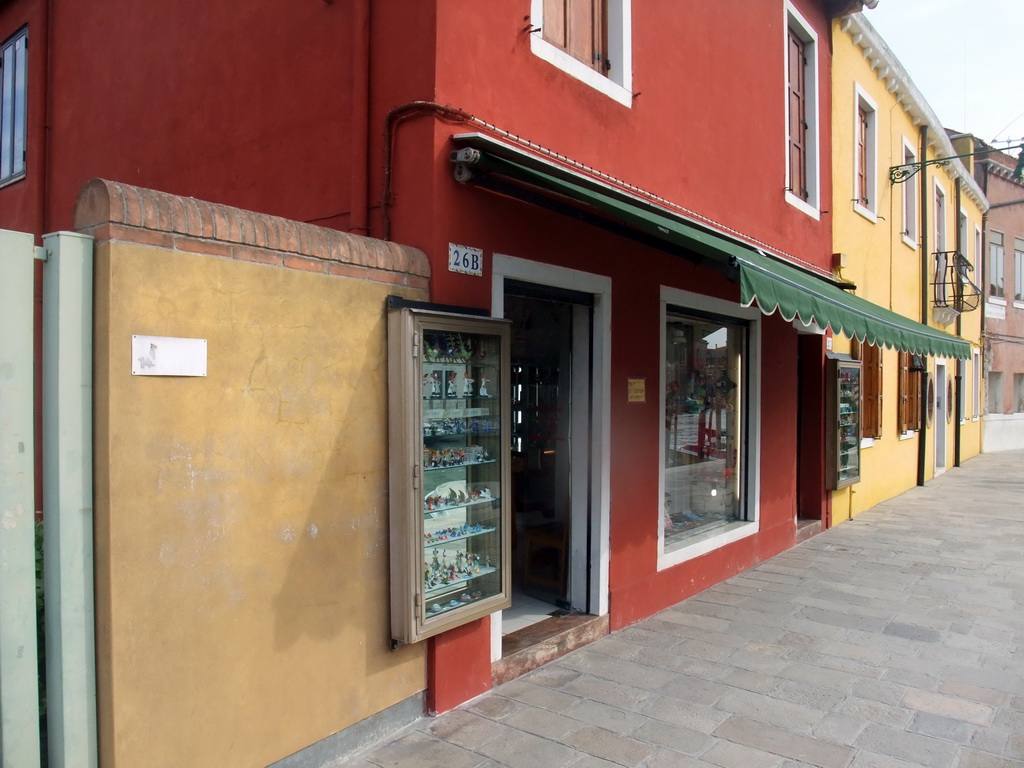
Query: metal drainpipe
[
  {"x": 359, "y": 204},
  {"x": 959, "y": 330},
  {"x": 922, "y": 436}
]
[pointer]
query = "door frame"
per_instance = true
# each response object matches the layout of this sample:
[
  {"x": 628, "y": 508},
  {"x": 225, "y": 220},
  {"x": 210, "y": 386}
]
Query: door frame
[
  {"x": 941, "y": 376},
  {"x": 589, "y": 538}
]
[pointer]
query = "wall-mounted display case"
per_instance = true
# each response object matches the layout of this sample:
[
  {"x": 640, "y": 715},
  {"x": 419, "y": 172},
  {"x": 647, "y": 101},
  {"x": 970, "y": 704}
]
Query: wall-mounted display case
[
  {"x": 449, "y": 475},
  {"x": 843, "y": 419}
]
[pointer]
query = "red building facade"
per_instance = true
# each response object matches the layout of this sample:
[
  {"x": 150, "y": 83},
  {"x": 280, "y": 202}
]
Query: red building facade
[{"x": 619, "y": 174}]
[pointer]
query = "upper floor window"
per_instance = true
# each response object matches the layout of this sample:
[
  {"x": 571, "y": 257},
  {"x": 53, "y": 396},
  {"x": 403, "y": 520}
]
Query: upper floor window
[
  {"x": 1018, "y": 270},
  {"x": 13, "y": 101},
  {"x": 801, "y": 113},
  {"x": 940, "y": 219},
  {"x": 865, "y": 160},
  {"x": 588, "y": 39},
  {"x": 996, "y": 266},
  {"x": 909, "y": 231}
]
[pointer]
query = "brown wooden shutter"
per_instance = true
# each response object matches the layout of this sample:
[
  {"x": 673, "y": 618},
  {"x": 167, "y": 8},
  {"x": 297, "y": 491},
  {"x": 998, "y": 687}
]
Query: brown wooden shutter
[
  {"x": 579, "y": 27},
  {"x": 904, "y": 392},
  {"x": 871, "y": 388},
  {"x": 914, "y": 416},
  {"x": 797, "y": 116}
]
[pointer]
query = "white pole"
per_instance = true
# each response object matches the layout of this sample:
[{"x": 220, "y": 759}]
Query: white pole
[
  {"x": 68, "y": 502},
  {"x": 19, "y": 674}
]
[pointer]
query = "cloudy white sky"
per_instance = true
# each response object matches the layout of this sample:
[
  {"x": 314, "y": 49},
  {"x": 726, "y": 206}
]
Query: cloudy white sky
[{"x": 965, "y": 56}]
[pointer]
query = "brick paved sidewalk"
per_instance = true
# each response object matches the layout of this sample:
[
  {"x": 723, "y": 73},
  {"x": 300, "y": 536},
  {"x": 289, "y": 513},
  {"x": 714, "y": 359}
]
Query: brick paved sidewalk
[{"x": 891, "y": 640}]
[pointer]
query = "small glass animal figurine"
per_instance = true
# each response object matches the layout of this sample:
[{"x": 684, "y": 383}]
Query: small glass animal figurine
[{"x": 483, "y": 387}]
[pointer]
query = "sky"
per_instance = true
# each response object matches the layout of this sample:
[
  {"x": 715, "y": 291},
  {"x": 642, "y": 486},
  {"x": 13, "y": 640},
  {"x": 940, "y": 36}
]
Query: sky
[{"x": 964, "y": 56}]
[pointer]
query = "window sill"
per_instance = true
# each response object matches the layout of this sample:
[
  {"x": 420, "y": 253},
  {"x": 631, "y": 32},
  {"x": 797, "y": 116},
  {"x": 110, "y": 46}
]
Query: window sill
[
  {"x": 1018, "y": 304},
  {"x": 867, "y": 442},
  {"x": 909, "y": 435},
  {"x": 13, "y": 180},
  {"x": 803, "y": 205},
  {"x": 701, "y": 544},
  {"x": 997, "y": 300},
  {"x": 580, "y": 71},
  {"x": 867, "y": 213},
  {"x": 909, "y": 242}
]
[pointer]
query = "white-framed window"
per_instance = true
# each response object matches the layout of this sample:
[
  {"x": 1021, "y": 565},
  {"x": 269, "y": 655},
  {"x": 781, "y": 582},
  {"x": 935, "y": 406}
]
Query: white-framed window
[
  {"x": 1018, "y": 393},
  {"x": 802, "y": 167},
  {"x": 590, "y": 40},
  {"x": 865, "y": 161},
  {"x": 996, "y": 267},
  {"x": 941, "y": 255},
  {"x": 977, "y": 245},
  {"x": 13, "y": 105},
  {"x": 963, "y": 232},
  {"x": 909, "y": 231},
  {"x": 1018, "y": 272},
  {"x": 976, "y": 388},
  {"x": 995, "y": 392},
  {"x": 709, "y": 383}
]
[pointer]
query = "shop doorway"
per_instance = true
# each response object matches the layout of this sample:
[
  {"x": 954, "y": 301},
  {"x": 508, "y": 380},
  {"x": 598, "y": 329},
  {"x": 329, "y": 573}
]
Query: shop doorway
[
  {"x": 550, "y": 380},
  {"x": 560, "y": 320}
]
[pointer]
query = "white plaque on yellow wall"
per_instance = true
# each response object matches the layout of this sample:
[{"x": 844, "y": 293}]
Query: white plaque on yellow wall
[{"x": 168, "y": 356}]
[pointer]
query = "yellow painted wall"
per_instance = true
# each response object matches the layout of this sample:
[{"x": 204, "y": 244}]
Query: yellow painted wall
[
  {"x": 242, "y": 559},
  {"x": 886, "y": 267}
]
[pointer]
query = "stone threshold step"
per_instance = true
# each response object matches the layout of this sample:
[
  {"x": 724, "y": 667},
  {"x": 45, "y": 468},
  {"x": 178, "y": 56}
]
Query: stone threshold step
[{"x": 545, "y": 641}]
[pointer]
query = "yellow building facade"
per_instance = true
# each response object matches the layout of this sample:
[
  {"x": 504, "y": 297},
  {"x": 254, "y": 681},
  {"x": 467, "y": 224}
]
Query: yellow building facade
[{"x": 909, "y": 238}]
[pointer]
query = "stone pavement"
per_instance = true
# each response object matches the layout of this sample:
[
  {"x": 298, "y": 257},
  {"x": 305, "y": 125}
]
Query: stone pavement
[{"x": 895, "y": 639}]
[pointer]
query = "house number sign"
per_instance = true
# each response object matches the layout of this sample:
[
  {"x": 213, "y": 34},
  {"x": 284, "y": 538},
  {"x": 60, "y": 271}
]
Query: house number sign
[{"x": 468, "y": 261}]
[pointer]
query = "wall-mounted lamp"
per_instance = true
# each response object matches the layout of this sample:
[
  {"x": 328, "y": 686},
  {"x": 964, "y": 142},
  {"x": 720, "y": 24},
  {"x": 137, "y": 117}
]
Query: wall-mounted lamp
[{"x": 900, "y": 173}]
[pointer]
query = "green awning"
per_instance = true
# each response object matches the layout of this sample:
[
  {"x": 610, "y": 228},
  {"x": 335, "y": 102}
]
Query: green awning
[
  {"x": 771, "y": 284},
  {"x": 775, "y": 286}
]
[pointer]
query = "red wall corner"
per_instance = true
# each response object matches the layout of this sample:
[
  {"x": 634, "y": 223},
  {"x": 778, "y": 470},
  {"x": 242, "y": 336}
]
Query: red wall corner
[{"x": 458, "y": 665}]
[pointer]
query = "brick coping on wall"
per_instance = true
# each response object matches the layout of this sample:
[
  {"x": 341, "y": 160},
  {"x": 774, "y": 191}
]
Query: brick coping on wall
[{"x": 110, "y": 210}]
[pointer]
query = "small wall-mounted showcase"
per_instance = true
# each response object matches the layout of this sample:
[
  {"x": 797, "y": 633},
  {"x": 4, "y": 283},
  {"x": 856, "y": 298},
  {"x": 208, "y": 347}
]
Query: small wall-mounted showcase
[
  {"x": 843, "y": 419},
  {"x": 449, "y": 470}
]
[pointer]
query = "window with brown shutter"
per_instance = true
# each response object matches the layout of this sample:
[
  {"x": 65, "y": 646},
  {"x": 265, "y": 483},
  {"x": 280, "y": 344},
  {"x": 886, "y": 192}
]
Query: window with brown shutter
[
  {"x": 797, "y": 68},
  {"x": 862, "y": 156},
  {"x": 871, "y": 388},
  {"x": 909, "y": 395},
  {"x": 580, "y": 28}
]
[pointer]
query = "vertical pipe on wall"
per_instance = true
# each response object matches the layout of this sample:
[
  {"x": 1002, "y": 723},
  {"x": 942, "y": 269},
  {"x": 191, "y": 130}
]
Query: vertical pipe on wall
[
  {"x": 68, "y": 517},
  {"x": 922, "y": 435},
  {"x": 360, "y": 154}
]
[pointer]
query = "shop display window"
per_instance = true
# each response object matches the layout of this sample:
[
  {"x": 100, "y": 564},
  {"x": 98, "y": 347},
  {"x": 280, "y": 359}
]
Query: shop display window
[{"x": 705, "y": 416}]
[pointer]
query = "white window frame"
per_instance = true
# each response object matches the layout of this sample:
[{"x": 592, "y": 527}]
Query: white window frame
[
  {"x": 701, "y": 545},
  {"x": 863, "y": 101},
  {"x": 1018, "y": 273},
  {"x": 941, "y": 225},
  {"x": 978, "y": 251},
  {"x": 994, "y": 261},
  {"x": 794, "y": 20},
  {"x": 617, "y": 82},
  {"x": 976, "y": 393},
  {"x": 964, "y": 231},
  {"x": 13, "y": 106},
  {"x": 910, "y": 202}
]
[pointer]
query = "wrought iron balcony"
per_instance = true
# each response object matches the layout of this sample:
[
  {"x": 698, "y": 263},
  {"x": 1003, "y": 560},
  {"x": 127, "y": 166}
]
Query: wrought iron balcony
[{"x": 953, "y": 289}]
